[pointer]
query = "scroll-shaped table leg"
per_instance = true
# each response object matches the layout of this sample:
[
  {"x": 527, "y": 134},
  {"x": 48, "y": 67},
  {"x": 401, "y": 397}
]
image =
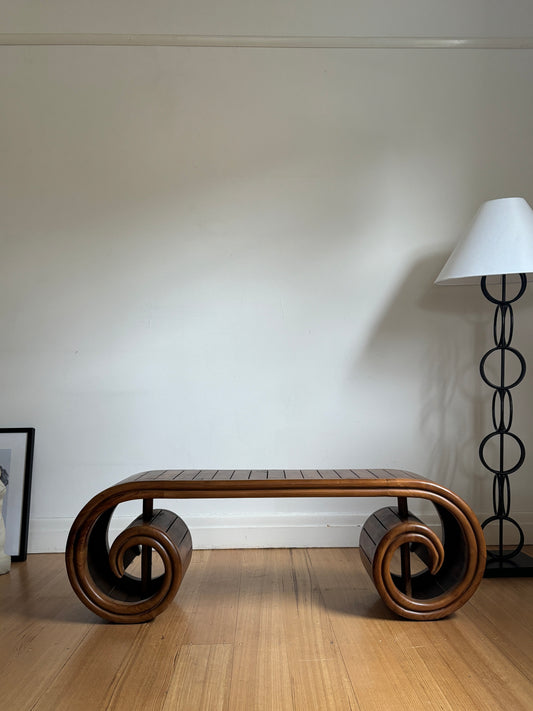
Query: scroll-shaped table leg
[
  {"x": 98, "y": 573},
  {"x": 454, "y": 565}
]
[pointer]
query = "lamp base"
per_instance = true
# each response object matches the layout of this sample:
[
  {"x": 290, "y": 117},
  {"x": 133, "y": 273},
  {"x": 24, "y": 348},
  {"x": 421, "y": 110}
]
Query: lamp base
[{"x": 520, "y": 566}]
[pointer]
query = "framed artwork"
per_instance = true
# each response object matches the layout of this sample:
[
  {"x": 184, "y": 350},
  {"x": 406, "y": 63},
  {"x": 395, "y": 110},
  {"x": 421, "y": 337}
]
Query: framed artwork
[{"x": 16, "y": 462}]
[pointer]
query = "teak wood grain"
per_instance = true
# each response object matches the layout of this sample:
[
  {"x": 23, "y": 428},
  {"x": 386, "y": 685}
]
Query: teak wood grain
[{"x": 453, "y": 564}]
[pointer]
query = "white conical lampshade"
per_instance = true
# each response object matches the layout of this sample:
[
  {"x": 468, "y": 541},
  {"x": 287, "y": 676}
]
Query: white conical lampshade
[{"x": 500, "y": 241}]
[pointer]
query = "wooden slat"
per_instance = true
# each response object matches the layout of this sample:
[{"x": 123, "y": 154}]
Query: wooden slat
[
  {"x": 311, "y": 474},
  {"x": 187, "y": 475},
  {"x": 206, "y": 474},
  {"x": 364, "y": 473},
  {"x": 276, "y": 474},
  {"x": 346, "y": 474},
  {"x": 367, "y": 545},
  {"x": 223, "y": 474},
  {"x": 379, "y": 473},
  {"x": 257, "y": 474},
  {"x": 293, "y": 474},
  {"x": 328, "y": 474},
  {"x": 151, "y": 475},
  {"x": 242, "y": 475},
  {"x": 375, "y": 528},
  {"x": 173, "y": 474}
]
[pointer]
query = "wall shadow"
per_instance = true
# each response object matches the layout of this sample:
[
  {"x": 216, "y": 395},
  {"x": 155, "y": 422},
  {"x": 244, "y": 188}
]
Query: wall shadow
[{"x": 435, "y": 335}]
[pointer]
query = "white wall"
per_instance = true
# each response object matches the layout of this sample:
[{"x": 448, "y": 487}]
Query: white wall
[{"x": 221, "y": 257}]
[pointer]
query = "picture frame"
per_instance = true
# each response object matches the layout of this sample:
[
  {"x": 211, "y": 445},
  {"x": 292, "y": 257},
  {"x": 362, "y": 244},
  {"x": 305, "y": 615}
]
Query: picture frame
[{"x": 16, "y": 463}]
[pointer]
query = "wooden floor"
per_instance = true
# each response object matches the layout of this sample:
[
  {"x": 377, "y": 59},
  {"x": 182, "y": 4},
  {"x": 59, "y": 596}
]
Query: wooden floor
[{"x": 254, "y": 630}]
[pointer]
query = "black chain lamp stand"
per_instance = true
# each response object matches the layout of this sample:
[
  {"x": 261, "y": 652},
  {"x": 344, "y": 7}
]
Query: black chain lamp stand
[
  {"x": 503, "y": 560},
  {"x": 499, "y": 245}
]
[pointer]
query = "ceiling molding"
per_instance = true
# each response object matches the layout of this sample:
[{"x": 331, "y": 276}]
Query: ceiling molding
[{"x": 269, "y": 42}]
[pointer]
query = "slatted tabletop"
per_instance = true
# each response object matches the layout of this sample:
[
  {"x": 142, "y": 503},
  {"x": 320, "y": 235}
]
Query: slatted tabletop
[
  {"x": 183, "y": 475},
  {"x": 220, "y": 483},
  {"x": 278, "y": 477}
]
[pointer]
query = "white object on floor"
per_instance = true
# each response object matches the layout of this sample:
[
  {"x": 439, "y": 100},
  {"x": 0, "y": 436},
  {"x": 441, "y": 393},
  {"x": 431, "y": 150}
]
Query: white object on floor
[{"x": 5, "y": 560}]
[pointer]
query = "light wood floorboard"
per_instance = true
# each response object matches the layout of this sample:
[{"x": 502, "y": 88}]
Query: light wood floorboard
[{"x": 263, "y": 630}]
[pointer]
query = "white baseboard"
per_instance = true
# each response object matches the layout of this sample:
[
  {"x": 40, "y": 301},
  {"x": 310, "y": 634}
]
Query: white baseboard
[
  {"x": 309, "y": 530},
  {"x": 229, "y": 531}
]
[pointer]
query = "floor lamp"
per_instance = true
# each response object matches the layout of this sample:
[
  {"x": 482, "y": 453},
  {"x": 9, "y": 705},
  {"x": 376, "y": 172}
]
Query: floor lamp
[{"x": 497, "y": 253}]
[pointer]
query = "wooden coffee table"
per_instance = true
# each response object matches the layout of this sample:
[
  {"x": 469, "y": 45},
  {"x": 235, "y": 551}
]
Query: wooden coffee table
[{"x": 453, "y": 562}]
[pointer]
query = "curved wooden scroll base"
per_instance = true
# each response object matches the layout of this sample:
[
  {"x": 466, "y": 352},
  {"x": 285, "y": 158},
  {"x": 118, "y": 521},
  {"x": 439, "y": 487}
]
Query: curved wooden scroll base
[
  {"x": 98, "y": 574},
  {"x": 452, "y": 563},
  {"x": 450, "y": 572}
]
